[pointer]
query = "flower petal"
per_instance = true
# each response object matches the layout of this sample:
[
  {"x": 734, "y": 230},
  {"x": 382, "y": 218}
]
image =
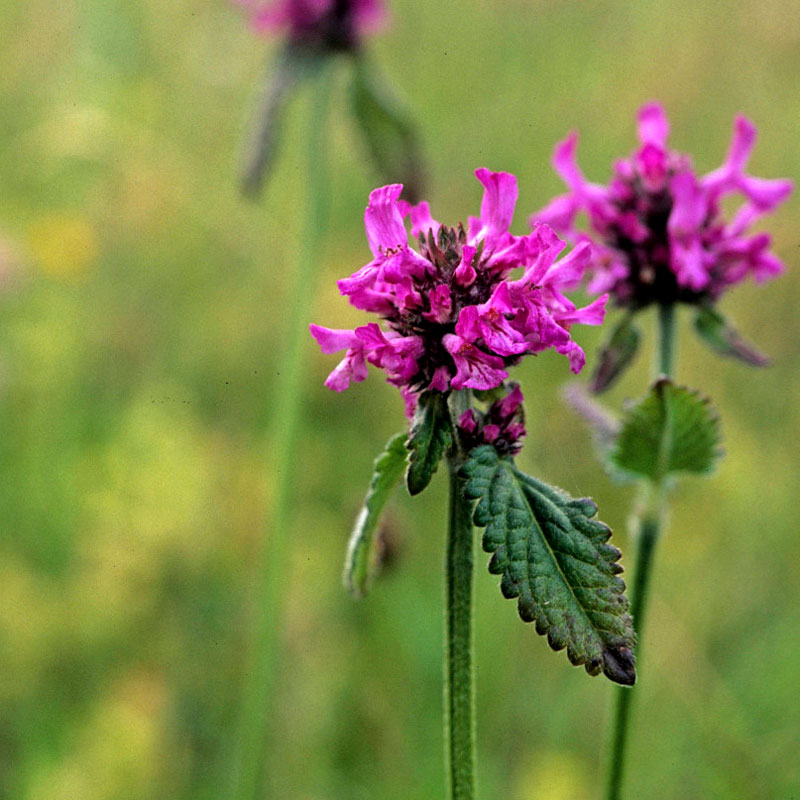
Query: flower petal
[
  {"x": 653, "y": 126},
  {"x": 421, "y": 219},
  {"x": 383, "y": 221},
  {"x": 465, "y": 273},
  {"x": 474, "y": 368},
  {"x": 331, "y": 340},
  {"x": 499, "y": 199},
  {"x": 565, "y": 163}
]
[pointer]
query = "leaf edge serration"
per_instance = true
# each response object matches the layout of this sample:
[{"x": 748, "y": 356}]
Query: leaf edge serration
[
  {"x": 423, "y": 459},
  {"x": 610, "y": 652},
  {"x": 387, "y": 472},
  {"x": 635, "y": 412}
]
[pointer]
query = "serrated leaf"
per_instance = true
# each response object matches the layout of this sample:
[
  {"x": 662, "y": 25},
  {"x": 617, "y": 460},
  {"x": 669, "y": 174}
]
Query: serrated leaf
[
  {"x": 389, "y": 135},
  {"x": 724, "y": 339},
  {"x": 672, "y": 429},
  {"x": 431, "y": 435},
  {"x": 557, "y": 561},
  {"x": 615, "y": 355},
  {"x": 294, "y": 63},
  {"x": 360, "y": 559}
]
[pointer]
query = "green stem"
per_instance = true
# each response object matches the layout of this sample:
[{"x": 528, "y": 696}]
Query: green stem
[
  {"x": 270, "y": 571},
  {"x": 458, "y": 677},
  {"x": 648, "y": 536},
  {"x": 666, "y": 340},
  {"x": 649, "y": 524}
]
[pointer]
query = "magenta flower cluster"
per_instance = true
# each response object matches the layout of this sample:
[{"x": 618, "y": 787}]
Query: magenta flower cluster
[
  {"x": 657, "y": 230},
  {"x": 338, "y": 24},
  {"x": 502, "y": 425},
  {"x": 454, "y": 317}
]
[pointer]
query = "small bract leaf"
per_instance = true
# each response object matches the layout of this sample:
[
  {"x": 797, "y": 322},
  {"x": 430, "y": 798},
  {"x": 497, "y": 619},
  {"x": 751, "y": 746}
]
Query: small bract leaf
[
  {"x": 557, "y": 561},
  {"x": 360, "y": 560},
  {"x": 431, "y": 435},
  {"x": 724, "y": 339},
  {"x": 389, "y": 135},
  {"x": 672, "y": 429},
  {"x": 616, "y": 355},
  {"x": 293, "y": 63}
]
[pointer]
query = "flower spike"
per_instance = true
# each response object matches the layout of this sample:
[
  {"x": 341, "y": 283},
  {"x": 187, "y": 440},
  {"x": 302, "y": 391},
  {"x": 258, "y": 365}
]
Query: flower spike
[
  {"x": 454, "y": 317},
  {"x": 657, "y": 232}
]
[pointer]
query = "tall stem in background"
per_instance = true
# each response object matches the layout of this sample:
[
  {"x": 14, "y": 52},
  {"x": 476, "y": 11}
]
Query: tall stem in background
[
  {"x": 269, "y": 574},
  {"x": 458, "y": 672},
  {"x": 648, "y": 522}
]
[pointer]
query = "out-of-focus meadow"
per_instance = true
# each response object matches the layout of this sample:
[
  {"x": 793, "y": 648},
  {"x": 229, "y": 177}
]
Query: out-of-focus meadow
[{"x": 140, "y": 323}]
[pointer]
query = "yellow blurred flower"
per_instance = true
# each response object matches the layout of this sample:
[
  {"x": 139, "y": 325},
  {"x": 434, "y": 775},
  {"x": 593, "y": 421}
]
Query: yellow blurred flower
[
  {"x": 115, "y": 751},
  {"x": 63, "y": 245},
  {"x": 554, "y": 775}
]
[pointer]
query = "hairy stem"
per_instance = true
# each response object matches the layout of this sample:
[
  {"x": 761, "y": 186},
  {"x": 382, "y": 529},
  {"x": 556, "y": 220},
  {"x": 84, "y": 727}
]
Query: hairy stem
[
  {"x": 649, "y": 527},
  {"x": 648, "y": 521},
  {"x": 269, "y": 574},
  {"x": 458, "y": 674}
]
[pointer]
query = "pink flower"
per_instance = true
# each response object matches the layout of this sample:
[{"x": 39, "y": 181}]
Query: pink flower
[
  {"x": 490, "y": 321},
  {"x": 501, "y": 425},
  {"x": 474, "y": 368},
  {"x": 440, "y": 302},
  {"x": 390, "y": 351},
  {"x": 453, "y": 316},
  {"x": 656, "y": 232},
  {"x": 467, "y": 421},
  {"x": 333, "y": 24},
  {"x": 352, "y": 366}
]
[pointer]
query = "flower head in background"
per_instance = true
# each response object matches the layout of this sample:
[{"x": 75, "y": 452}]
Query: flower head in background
[
  {"x": 657, "y": 230},
  {"x": 330, "y": 24},
  {"x": 318, "y": 32},
  {"x": 454, "y": 318}
]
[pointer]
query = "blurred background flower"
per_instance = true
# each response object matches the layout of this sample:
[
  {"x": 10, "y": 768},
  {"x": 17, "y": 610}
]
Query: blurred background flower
[
  {"x": 337, "y": 24},
  {"x": 138, "y": 371}
]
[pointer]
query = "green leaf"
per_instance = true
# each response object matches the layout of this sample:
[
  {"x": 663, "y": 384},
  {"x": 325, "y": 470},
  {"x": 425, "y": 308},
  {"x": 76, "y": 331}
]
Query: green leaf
[
  {"x": 556, "y": 560},
  {"x": 724, "y": 339},
  {"x": 616, "y": 355},
  {"x": 294, "y": 63},
  {"x": 672, "y": 429},
  {"x": 431, "y": 435},
  {"x": 361, "y": 557},
  {"x": 389, "y": 135}
]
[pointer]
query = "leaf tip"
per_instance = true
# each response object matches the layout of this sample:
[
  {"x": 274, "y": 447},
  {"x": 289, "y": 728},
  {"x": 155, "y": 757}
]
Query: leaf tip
[
  {"x": 430, "y": 437},
  {"x": 619, "y": 665},
  {"x": 413, "y": 485},
  {"x": 615, "y": 356},
  {"x": 724, "y": 339}
]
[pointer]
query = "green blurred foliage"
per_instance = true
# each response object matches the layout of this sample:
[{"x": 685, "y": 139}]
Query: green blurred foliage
[{"x": 140, "y": 322}]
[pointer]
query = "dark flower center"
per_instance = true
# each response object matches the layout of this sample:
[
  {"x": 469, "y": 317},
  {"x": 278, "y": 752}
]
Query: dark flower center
[{"x": 650, "y": 278}]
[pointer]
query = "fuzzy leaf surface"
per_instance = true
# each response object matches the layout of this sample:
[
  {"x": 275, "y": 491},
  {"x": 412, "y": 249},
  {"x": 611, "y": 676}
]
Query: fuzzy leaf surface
[
  {"x": 616, "y": 355},
  {"x": 431, "y": 435},
  {"x": 724, "y": 339},
  {"x": 360, "y": 559},
  {"x": 556, "y": 560},
  {"x": 672, "y": 429}
]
